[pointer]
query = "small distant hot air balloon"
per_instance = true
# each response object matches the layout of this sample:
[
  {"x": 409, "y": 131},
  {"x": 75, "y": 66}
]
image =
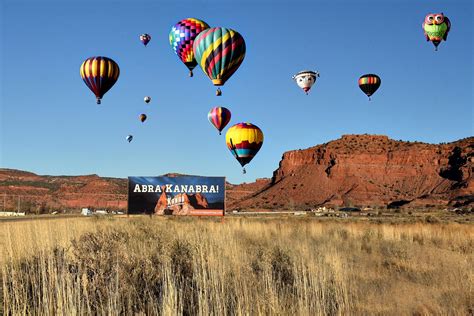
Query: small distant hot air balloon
[
  {"x": 142, "y": 117},
  {"x": 145, "y": 38},
  {"x": 306, "y": 79},
  {"x": 147, "y": 99},
  {"x": 219, "y": 51},
  {"x": 219, "y": 117},
  {"x": 244, "y": 140},
  {"x": 129, "y": 138},
  {"x": 99, "y": 74},
  {"x": 369, "y": 83},
  {"x": 436, "y": 27},
  {"x": 182, "y": 36}
]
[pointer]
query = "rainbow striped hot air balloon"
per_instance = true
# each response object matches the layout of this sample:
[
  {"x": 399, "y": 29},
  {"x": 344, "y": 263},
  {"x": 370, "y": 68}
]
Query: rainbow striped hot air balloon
[
  {"x": 219, "y": 51},
  {"x": 182, "y": 37},
  {"x": 99, "y": 74},
  {"x": 244, "y": 140},
  {"x": 369, "y": 83},
  {"x": 219, "y": 117}
]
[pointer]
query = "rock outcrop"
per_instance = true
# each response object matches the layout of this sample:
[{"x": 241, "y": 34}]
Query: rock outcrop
[
  {"x": 180, "y": 204},
  {"x": 369, "y": 170},
  {"x": 355, "y": 170}
]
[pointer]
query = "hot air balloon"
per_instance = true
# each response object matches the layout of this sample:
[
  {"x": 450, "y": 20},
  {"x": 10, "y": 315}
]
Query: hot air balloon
[
  {"x": 306, "y": 79},
  {"x": 145, "y": 38},
  {"x": 182, "y": 37},
  {"x": 219, "y": 117},
  {"x": 99, "y": 74},
  {"x": 219, "y": 51},
  {"x": 143, "y": 117},
  {"x": 147, "y": 99},
  {"x": 129, "y": 138},
  {"x": 244, "y": 140},
  {"x": 369, "y": 83},
  {"x": 436, "y": 27}
]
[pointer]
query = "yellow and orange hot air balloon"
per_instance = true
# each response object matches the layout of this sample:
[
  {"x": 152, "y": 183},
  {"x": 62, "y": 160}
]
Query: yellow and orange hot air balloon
[
  {"x": 99, "y": 74},
  {"x": 244, "y": 140}
]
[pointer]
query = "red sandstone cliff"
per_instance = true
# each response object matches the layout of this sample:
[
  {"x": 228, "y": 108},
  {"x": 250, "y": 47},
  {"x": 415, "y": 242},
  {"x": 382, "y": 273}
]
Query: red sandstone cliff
[
  {"x": 187, "y": 203},
  {"x": 353, "y": 170},
  {"x": 370, "y": 170},
  {"x": 40, "y": 194}
]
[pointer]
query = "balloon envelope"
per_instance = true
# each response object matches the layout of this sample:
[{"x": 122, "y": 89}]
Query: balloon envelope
[
  {"x": 182, "y": 36},
  {"x": 99, "y": 74},
  {"x": 129, "y": 138},
  {"x": 436, "y": 27},
  {"x": 145, "y": 38},
  {"x": 244, "y": 140},
  {"x": 219, "y": 117},
  {"x": 369, "y": 83},
  {"x": 219, "y": 51},
  {"x": 147, "y": 99},
  {"x": 306, "y": 79},
  {"x": 143, "y": 117}
]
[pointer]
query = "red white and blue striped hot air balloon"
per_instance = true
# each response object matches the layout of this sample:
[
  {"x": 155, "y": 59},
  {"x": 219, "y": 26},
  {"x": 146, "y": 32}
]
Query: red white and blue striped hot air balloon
[
  {"x": 99, "y": 74},
  {"x": 145, "y": 38},
  {"x": 219, "y": 117},
  {"x": 219, "y": 51}
]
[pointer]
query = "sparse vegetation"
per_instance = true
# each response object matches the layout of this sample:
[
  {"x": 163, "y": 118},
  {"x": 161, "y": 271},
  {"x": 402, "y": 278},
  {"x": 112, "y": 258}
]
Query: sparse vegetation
[{"x": 241, "y": 266}]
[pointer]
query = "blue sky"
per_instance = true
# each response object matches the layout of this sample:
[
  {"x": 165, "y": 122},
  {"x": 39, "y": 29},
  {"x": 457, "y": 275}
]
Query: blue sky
[{"x": 50, "y": 123}]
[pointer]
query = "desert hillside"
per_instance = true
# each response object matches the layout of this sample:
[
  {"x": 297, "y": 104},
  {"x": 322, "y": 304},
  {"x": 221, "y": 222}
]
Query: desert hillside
[
  {"x": 355, "y": 170},
  {"x": 370, "y": 170}
]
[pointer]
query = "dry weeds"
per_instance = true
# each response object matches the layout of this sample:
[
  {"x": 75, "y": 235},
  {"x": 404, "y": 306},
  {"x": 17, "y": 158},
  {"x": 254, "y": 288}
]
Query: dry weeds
[{"x": 239, "y": 267}]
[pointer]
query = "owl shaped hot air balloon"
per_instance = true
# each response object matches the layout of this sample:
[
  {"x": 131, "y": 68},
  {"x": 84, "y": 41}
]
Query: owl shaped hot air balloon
[
  {"x": 369, "y": 83},
  {"x": 244, "y": 140},
  {"x": 99, "y": 74},
  {"x": 219, "y": 116},
  {"x": 306, "y": 79},
  {"x": 219, "y": 51},
  {"x": 182, "y": 36},
  {"x": 436, "y": 27},
  {"x": 145, "y": 39}
]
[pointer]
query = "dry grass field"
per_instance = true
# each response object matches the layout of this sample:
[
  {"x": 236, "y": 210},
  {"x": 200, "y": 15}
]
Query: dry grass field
[{"x": 243, "y": 266}]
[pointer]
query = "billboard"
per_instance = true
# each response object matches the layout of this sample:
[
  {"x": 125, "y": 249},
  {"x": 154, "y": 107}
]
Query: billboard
[{"x": 180, "y": 195}]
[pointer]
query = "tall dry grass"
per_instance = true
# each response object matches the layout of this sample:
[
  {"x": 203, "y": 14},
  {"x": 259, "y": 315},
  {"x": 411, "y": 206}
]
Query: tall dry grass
[{"x": 239, "y": 267}]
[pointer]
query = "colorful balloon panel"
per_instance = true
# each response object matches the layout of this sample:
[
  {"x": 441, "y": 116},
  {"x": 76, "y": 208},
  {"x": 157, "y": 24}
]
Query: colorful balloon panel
[
  {"x": 219, "y": 51},
  {"x": 244, "y": 140},
  {"x": 219, "y": 117},
  {"x": 182, "y": 37},
  {"x": 369, "y": 83},
  {"x": 99, "y": 74}
]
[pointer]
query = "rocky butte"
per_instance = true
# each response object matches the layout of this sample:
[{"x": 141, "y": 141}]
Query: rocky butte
[
  {"x": 370, "y": 170},
  {"x": 355, "y": 170}
]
